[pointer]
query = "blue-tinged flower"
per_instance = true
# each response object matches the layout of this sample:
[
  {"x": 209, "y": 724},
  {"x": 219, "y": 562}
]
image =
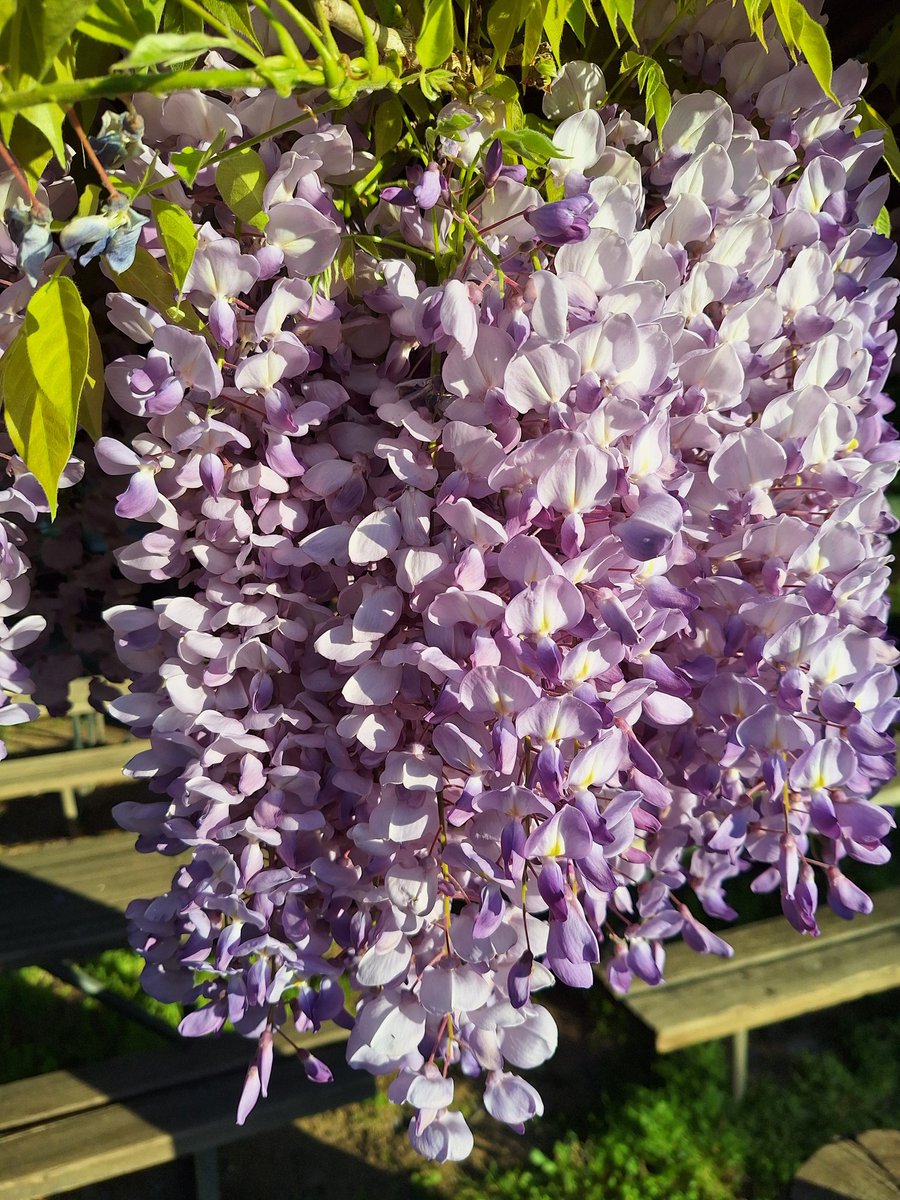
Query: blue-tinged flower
[
  {"x": 119, "y": 138},
  {"x": 29, "y": 229},
  {"x": 113, "y": 232}
]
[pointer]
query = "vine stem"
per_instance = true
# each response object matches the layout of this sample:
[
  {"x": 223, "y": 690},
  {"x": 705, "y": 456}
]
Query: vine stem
[
  {"x": 344, "y": 17},
  {"x": 19, "y": 174},
  {"x": 68, "y": 92},
  {"x": 91, "y": 155}
]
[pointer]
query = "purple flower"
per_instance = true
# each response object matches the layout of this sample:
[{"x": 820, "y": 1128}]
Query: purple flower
[
  {"x": 563, "y": 221},
  {"x": 426, "y": 186}
]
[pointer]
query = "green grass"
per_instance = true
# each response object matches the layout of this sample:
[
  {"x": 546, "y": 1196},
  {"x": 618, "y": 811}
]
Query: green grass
[
  {"x": 683, "y": 1138},
  {"x": 120, "y": 972},
  {"x": 49, "y": 1026}
]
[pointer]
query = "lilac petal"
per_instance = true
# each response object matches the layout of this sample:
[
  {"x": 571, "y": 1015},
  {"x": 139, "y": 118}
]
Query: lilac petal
[
  {"x": 444, "y": 1138},
  {"x": 114, "y": 457},
  {"x": 140, "y": 497},
  {"x": 192, "y": 360},
  {"x": 649, "y": 532},
  {"x": 212, "y": 473},
  {"x": 519, "y": 979},
  {"x": 551, "y": 885},
  {"x": 566, "y": 834},
  {"x": 510, "y": 1099},
  {"x": 249, "y": 1095},
  {"x": 222, "y": 322},
  {"x": 316, "y": 1070}
]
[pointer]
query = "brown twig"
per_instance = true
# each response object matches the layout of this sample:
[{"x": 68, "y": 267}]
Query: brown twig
[
  {"x": 19, "y": 174},
  {"x": 91, "y": 154}
]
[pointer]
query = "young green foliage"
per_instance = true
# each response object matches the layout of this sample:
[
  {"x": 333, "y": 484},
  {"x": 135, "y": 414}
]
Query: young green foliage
[
  {"x": 803, "y": 34},
  {"x": 651, "y": 81},
  {"x": 434, "y": 44},
  {"x": 178, "y": 236},
  {"x": 870, "y": 119},
  {"x": 241, "y": 179},
  {"x": 42, "y": 375}
]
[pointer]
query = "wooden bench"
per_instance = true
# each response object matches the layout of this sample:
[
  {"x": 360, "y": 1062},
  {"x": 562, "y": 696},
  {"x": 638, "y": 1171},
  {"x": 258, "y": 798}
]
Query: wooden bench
[
  {"x": 866, "y": 1167},
  {"x": 87, "y": 723},
  {"x": 70, "y": 1128},
  {"x": 68, "y": 772},
  {"x": 775, "y": 974},
  {"x": 66, "y": 899}
]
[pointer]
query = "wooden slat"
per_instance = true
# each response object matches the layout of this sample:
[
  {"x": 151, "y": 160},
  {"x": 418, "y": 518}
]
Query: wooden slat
[
  {"x": 91, "y": 767},
  {"x": 843, "y": 1171},
  {"x": 61, "y": 1093},
  {"x": 116, "y": 1139},
  {"x": 884, "y": 1146},
  {"x": 749, "y": 997},
  {"x": 67, "y": 899}
]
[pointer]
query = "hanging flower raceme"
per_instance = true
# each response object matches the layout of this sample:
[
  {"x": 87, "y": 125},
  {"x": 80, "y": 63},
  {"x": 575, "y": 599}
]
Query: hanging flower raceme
[{"x": 504, "y": 605}]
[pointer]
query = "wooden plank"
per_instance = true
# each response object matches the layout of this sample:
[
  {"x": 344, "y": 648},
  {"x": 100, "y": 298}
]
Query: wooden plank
[
  {"x": 33, "y": 775},
  {"x": 774, "y": 938},
  {"x": 842, "y": 1171},
  {"x": 61, "y": 1093},
  {"x": 88, "y": 1147},
  {"x": 68, "y": 899},
  {"x": 884, "y": 1146},
  {"x": 754, "y": 995}
]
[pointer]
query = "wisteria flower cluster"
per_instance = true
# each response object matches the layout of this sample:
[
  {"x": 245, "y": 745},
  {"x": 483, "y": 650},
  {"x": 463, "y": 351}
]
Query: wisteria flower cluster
[
  {"x": 22, "y": 502},
  {"x": 524, "y": 554}
]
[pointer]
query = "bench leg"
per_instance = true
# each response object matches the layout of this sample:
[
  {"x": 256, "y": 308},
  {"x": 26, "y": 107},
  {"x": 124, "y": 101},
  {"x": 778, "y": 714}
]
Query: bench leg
[
  {"x": 206, "y": 1175},
  {"x": 739, "y": 1047},
  {"x": 70, "y": 809}
]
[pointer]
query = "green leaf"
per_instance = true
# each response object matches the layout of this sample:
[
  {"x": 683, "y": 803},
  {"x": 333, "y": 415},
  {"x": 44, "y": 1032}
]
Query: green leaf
[
  {"x": 57, "y": 341},
  {"x": 434, "y": 44},
  {"x": 884, "y": 55},
  {"x": 534, "y": 26},
  {"x": 178, "y": 236},
  {"x": 530, "y": 144},
  {"x": 620, "y": 11},
  {"x": 118, "y": 23},
  {"x": 236, "y": 15},
  {"x": 150, "y": 282},
  {"x": 7, "y": 8},
  {"x": 756, "y": 11},
  {"x": 178, "y": 19},
  {"x": 31, "y": 150},
  {"x": 883, "y": 223},
  {"x": 241, "y": 180},
  {"x": 41, "y": 378},
  {"x": 48, "y": 119},
  {"x": 870, "y": 119},
  {"x": 90, "y": 405},
  {"x": 802, "y": 32},
  {"x": 653, "y": 87},
  {"x": 35, "y": 34},
  {"x": 163, "y": 49},
  {"x": 89, "y": 200},
  {"x": 504, "y": 20},
  {"x": 554, "y": 22},
  {"x": 813, "y": 43},
  {"x": 388, "y": 126},
  {"x": 575, "y": 19},
  {"x": 453, "y": 125},
  {"x": 190, "y": 161}
]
